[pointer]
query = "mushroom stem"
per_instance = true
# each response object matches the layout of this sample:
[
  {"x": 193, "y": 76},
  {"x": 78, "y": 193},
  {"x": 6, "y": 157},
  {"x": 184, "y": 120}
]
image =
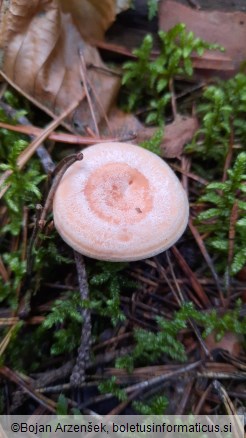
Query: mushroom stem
[{"x": 78, "y": 373}]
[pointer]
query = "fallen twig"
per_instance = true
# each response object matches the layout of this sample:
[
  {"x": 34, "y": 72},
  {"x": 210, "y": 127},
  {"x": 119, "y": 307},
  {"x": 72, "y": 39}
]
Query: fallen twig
[{"x": 78, "y": 373}]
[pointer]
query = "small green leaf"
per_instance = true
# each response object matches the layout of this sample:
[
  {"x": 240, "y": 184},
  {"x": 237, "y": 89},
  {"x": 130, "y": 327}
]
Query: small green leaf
[
  {"x": 241, "y": 222},
  {"x": 62, "y": 405},
  {"x": 220, "y": 244},
  {"x": 161, "y": 85},
  {"x": 152, "y": 117},
  {"x": 209, "y": 214},
  {"x": 239, "y": 261}
]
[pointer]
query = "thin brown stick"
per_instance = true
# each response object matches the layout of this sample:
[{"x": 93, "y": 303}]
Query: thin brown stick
[
  {"x": 193, "y": 279},
  {"x": 185, "y": 162},
  {"x": 176, "y": 291},
  {"x": 5, "y": 341},
  {"x": 78, "y": 373},
  {"x": 118, "y": 409},
  {"x": 207, "y": 258},
  {"x": 33, "y": 100},
  {"x": 62, "y": 137},
  {"x": 14, "y": 377},
  {"x": 28, "y": 152},
  {"x": 114, "y": 339},
  {"x": 41, "y": 152},
  {"x": 98, "y": 101},
  {"x": 209, "y": 370},
  {"x": 3, "y": 271},
  {"x": 52, "y": 375},
  {"x": 29, "y": 258},
  {"x": 208, "y": 61},
  {"x": 90, "y": 132},
  {"x": 190, "y": 174},
  {"x": 191, "y": 321},
  {"x": 24, "y": 233},
  {"x": 84, "y": 79},
  {"x": 157, "y": 380},
  {"x": 185, "y": 397},
  {"x": 106, "y": 70},
  {"x": 202, "y": 399},
  {"x": 231, "y": 410},
  {"x": 24, "y": 243}
]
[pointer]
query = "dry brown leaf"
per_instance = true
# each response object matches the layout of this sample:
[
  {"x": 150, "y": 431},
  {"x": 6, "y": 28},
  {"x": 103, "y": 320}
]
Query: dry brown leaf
[
  {"x": 230, "y": 342},
  {"x": 176, "y": 134},
  {"x": 123, "y": 123},
  {"x": 92, "y": 17},
  {"x": 40, "y": 46},
  {"x": 225, "y": 28}
]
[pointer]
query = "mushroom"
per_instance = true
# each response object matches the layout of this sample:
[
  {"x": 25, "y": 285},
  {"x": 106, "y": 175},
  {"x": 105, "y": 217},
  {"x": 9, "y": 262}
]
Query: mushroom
[{"x": 121, "y": 203}]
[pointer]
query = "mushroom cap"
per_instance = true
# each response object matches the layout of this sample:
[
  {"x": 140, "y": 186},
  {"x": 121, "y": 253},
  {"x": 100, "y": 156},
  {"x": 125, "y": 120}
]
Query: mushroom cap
[{"x": 120, "y": 203}]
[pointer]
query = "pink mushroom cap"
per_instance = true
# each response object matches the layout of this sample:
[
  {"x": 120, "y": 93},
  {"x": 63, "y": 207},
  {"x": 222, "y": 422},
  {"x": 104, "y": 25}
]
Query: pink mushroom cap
[{"x": 120, "y": 203}]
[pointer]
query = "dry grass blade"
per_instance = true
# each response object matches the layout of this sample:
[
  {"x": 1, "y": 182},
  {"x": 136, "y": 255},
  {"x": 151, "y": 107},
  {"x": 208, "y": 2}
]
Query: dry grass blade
[
  {"x": 207, "y": 258},
  {"x": 208, "y": 61},
  {"x": 89, "y": 100},
  {"x": 157, "y": 380},
  {"x": 230, "y": 409},
  {"x": 186, "y": 396},
  {"x": 238, "y": 362},
  {"x": 118, "y": 409},
  {"x": 193, "y": 279},
  {"x": 4, "y": 322},
  {"x": 34, "y": 320},
  {"x": 3, "y": 271},
  {"x": 191, "y": 175},
  {"x": 5, "y": 342},
  {"x": 49, "y": 404},
  {"x": 210, "y": 370},
  {"x": 202, "y": 399}
]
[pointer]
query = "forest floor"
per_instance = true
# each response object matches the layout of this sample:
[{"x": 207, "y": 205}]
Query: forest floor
[{"x": 164, "y": 335}]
